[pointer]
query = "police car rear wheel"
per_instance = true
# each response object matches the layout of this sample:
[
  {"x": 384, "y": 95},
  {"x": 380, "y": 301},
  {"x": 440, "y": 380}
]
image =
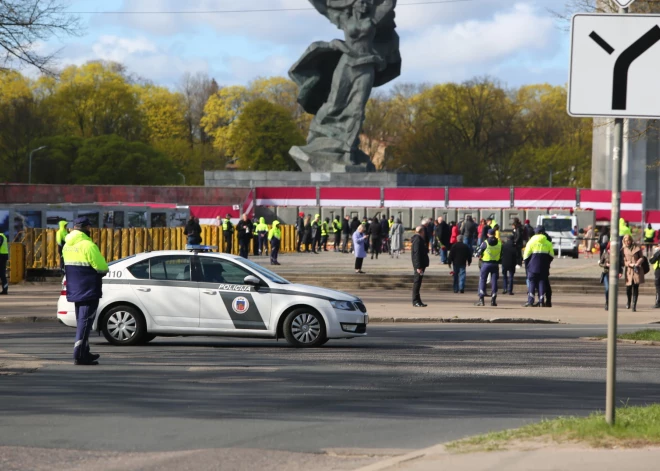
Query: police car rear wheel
[
  {"x": 304, "y": 328},
  {"x": 123, "y": 325}
]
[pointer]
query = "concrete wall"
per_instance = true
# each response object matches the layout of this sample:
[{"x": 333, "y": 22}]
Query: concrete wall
[
  {"x": 472, "y": 212},
  {"x": 351, "y": 211},
  {"x": 266, "y": 212},
  {"x": 376, "y": 212},
  {"x": 496, "y": 212},
  {"x": 421, "y": 213},
  {"x": 508, "y": 215},
  {"x": 532, "y": 214},
  {"x": 448, "y": 215},
  {"x": 585, "y": 219},
  {"x": 287, "y": 214},
  {"x": 331, "y": 212},
  {"x": 247, "y": 179},
  {"x": 310, "y": 210},
  {"x": 405, "y": 214}
]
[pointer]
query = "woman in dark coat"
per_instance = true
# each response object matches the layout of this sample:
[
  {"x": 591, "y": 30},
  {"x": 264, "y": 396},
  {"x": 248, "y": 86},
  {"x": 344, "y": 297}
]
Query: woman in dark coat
[{"x": 307, "y": 233}]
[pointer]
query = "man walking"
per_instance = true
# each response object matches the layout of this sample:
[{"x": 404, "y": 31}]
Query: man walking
[
  {"x": 491, "y": 254},
  {"x": 538, "y": 256},
  {"x": 469, "y": 232},
  {"x": 4, "y": 258},
  {"x": 459, "y": 258},
  {"x": 442, "y": 236},
  {"x": 228, "y": 233},
  {"x": 420, "y": 261},
  {"x": 345, "y": 234},
  {"x": 245, "y": 229},
  {"x": 85, "y": 269},
  {"x": 510, "y": 259}
]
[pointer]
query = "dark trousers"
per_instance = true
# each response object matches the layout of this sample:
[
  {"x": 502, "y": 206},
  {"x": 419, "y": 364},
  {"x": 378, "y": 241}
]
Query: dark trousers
[
  {"x": 337, "y": 243},
  {"x": 376, "y": 245},
  {"x": 300, "y": 241},
  {"x": 324, "y": 243},
  {"x": 358, "y": 263},
  {"x": 316, "y": 244},
  {"x": 263, "y": 243},
  {"x": 243, "y": 247},
  {"x": 59, "y": 251},
  {"x": 507, "y": 278},
  {"x": 3, "y": 272},
  {"x": 344, "y": 242},
  {"x": 491, "y": 269},
  {"x": 417, "y": 286},
  {"x": 537, "y": 283},
  {"x": 274, "y": 249},
  {"x": 85, "y": 313},
  {"x": 229, "y": 241}
]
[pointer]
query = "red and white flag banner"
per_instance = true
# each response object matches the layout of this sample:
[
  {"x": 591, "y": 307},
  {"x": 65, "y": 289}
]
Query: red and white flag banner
[
  {"x": 414, "y": 197},
  {"x": 363, "y": 197},
  {"x": 653, "y": 218},
  {"x": 209, "y": 214},
  {"x": 601, "y": 202},
  {"x": 565, "y": 198},
  {"x": 296, "y": 196},
  {"x": 248, "y": 204},
  {"x": 479, "y": 198}
]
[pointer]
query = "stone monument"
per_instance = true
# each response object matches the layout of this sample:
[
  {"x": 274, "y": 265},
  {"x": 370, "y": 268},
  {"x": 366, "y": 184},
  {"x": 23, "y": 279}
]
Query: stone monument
[{"x": 336, "y": 79}]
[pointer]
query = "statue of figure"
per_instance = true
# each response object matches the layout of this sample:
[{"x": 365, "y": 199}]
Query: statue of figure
[{"x": 336, "y": 79}]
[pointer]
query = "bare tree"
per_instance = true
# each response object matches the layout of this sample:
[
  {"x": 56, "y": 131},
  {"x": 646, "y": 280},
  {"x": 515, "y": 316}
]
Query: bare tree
[
  {"x": 196, "y": 90},
  {"x": 602, "y": 6},
  {"x": 24, "y": 23}
]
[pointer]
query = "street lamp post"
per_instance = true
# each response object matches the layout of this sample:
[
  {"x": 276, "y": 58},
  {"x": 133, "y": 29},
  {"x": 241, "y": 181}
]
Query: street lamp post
[
  {"x": 184, "y": 178},
  {"x": 30, "y": 163}
]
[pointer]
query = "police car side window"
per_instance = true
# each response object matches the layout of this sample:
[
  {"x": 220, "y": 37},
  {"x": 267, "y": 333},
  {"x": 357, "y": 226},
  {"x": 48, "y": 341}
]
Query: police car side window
[
  {"x": 171, "y": 268},
  {"x": 215, "y": 270},
  {"x": 140, "y": 270}
]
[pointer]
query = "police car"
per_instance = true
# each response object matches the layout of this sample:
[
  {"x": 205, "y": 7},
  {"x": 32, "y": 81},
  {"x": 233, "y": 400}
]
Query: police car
[{"x": 196, "y": 292}]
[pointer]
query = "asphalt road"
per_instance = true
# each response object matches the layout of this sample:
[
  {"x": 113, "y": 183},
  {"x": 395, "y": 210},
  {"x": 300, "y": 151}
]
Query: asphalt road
[{"x": 403, "y": 387}]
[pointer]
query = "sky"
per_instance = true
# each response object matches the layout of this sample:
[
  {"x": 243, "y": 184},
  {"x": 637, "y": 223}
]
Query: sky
[{"x": 516, "y": 42}]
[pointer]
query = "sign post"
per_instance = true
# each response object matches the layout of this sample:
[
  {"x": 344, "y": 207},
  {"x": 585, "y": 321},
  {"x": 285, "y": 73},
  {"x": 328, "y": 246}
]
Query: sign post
[{"x": 613, "y": 61}]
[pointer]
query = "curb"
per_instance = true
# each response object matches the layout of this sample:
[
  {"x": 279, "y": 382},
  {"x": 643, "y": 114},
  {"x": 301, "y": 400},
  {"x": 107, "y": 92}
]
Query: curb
[
  {"x": 26, "y": 320},
  {"x": 632, "y": 342},
  {"x": 391, "y": 462},
  {"x": 450, "y": 320}
]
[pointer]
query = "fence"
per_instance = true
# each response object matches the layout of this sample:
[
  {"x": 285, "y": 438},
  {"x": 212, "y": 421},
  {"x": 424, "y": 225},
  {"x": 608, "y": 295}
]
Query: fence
[{"x": 40, "y": 247}]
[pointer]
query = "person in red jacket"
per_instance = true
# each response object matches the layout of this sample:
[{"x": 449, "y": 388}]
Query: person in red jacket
[{"x": 454, "y": 233}]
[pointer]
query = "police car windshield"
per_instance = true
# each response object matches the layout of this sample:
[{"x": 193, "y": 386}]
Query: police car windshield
[
  {"x": 557, "y": 225},
  {"x": 274, "y": 277}
]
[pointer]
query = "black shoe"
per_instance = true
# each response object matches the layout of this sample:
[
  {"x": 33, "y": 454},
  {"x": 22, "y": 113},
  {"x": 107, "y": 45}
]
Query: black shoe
[
  {"x": 418, "y": 305},
  {"x": 422, "y": 304},
  {"x": 93, "y": 356},
  {"x": 493, "y": 301},
  {"x": 527, "y": 304},
  {"x": 480, "y": 302},
  {"x": 607, "y": 308},
  {"x": 455, "y": 291},
  {"x": 628, "y": 305},
  {"x": 85, "y": 361},
  {"x": 462, "y": 291},
  {"x": 548, "y": 304},
  {"x": 4, "y": 292},
  {"x": 510, "y": 293},
  {"x": 505, "y": 292}
]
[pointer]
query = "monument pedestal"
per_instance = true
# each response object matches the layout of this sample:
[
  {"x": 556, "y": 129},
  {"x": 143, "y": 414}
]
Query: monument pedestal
[{"x": 330, "y": 161}]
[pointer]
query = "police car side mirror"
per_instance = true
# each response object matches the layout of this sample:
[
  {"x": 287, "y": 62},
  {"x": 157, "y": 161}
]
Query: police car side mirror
[{"x": 252, "y": 280}]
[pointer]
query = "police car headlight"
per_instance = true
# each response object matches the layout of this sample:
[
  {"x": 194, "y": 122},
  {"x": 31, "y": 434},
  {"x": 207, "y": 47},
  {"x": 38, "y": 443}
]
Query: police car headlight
[{"x": 343, "y": 305}]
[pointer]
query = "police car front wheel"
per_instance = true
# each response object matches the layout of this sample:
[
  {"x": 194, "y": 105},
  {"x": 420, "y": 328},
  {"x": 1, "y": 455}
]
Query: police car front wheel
[
  {"x": 305, "y": 328},
  {"x": 124, "y": 325}
]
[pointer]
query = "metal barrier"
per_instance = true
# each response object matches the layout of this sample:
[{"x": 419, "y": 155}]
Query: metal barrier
[
  {"x": 16, "y": 263},
  {"x": 37, "y": 248}
]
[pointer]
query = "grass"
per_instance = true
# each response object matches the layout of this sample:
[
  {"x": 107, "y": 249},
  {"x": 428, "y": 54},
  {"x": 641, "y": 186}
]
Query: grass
[
  {"x": 646, "y": 334},
  {"x": 635, "y": 427}
]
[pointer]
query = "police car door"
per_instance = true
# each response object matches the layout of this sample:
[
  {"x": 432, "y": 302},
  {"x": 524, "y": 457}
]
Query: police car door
[{"x": 226, "y": 302}]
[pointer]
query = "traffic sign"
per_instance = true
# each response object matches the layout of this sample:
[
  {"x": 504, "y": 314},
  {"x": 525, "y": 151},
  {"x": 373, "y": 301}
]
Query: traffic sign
[
  {"x": 624, "y": 3},
  {"x": 615, "y": 65}
]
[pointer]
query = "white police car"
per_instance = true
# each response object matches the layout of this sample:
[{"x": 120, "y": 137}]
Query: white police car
[{"x": 173, "y": 293}]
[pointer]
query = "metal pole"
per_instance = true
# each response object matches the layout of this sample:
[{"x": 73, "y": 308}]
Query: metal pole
[
  {"x": 30, "y": 168},
  {"x": 550, "y": 178},
  {"x": 615, "y": 255}
]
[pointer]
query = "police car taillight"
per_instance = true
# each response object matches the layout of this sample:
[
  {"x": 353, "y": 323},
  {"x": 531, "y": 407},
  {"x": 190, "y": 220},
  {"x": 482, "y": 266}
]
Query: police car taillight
[{"x": 63, "y": 292}]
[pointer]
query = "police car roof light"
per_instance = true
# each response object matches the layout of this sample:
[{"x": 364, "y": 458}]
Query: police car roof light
[{"x": 201, "y": 248}]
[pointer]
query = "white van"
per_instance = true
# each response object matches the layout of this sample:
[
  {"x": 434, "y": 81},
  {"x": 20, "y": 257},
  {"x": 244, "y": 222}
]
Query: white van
[{"x": 559, "y": 228}]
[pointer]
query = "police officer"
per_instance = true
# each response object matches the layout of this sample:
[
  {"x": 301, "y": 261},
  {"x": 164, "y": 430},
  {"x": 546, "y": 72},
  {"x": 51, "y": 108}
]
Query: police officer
[
  {"x": 274, "y": 237},
  {"x": 655, "y": 262},
  {"x": 4, "y": 257},
  {"x": 325, "y": 225},
  {"x": 649, "y": 236},
  {"x": 316, "y": 233},
  {"x": 245, "y": 230},
  {"x": 59, "y": 238},
  {"x": 336, "y": 230},
  {"x": 85, "y": 268},
  {"x": 262, "y": 232},
  {"x": 490, "y": 252},
  {"x": 228, "y": 233},
  {"x": 538, "y": 256}
]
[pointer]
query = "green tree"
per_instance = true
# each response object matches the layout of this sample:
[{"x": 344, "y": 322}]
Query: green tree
[
  {"x": 112, "y": 160},
  {"x": 53, "y": 164},
  {"x": 263, "y": 135}
]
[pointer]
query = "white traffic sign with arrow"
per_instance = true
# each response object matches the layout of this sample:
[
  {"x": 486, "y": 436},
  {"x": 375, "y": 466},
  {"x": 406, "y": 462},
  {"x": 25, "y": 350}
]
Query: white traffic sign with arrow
[
  {"x": 624, "y": 3},
  {"x": 615, "y": 65}
]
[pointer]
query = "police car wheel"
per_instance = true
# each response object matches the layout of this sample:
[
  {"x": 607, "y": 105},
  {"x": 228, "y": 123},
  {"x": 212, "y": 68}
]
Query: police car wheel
[
  {"x": 304, "y": 328},
  {"x": 124, "y": 325}
]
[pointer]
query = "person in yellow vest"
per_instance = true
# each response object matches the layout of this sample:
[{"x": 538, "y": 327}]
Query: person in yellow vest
[
  {"x": 624, "y": 228},
  {"x": 262, "y": 234},
  {"x": 4, "y": 258},
  {"x": 324, "y": 234},
  {"x": 490, "y": 253},
  {"x": 59, "y": 238},
  {"x": 538, "y": 256},
  {"x": 274, "y": 237},
  {"x": 227, "y": 233},
  {"x": 649, "y": 238},
  {"x": 655, "y": 263},
  {"x": 336, "y": 230},
  {"x": 85, "y": 269}
]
